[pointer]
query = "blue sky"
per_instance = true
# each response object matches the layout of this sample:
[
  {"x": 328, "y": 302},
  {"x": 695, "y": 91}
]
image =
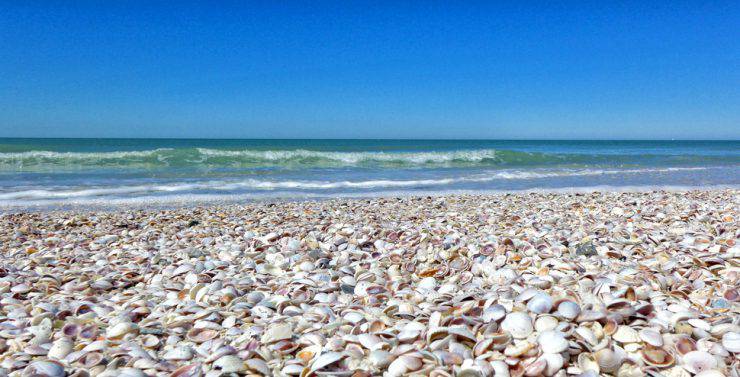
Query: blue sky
[{"x": 370, "y": 70}]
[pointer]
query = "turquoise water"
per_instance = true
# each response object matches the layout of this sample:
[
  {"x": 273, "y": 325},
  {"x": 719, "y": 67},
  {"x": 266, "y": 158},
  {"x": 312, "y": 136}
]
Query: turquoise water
[{"x": 90, "y": 171}]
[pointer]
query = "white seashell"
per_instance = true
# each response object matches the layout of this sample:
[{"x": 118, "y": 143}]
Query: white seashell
[
  {"x": 230, "y": 364},
  {"x": 586, "y": 362},
  {"x": 494, "y": 313},
  {"x": 380, "y": 359},
  {"x": 402, "y": 365},
  {"x": 178, "y": 354},
  {"x": 540, "y": 303},
  {"x": 427, "y": 283},
  {"x": 44, "y": 368},
  {"x": 731, "y": 342},
  {"x": 121, "y": 329},
  {"x": 699, "y": 324},
  {"x": 609, "y": 361},
  {"x": 518, "y": 324},
  {"x": 710, "y": 373},
  {"x": 552, "y": 342},
  {"x": 651, "y": 337},
  {"x": 60, "y": 348},
  {"x": 569, "y": 310},
  {"x": 626, "y": 334},
  {"x": 325, "y": 360},
  {"x": 546, "y": 322},
  {"x": 555, "y": 362},
  {"x": 277, "y": 332},
  {"x": 698, "y": 361}
]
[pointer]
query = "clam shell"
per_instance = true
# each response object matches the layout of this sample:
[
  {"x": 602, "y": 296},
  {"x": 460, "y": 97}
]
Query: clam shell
[
  {"x": 518, "y": 324},
  {"x": 569, "y": 310},
  {"x": 608, "y": 360},
  {"x": 552, "y": 342},
  {"x": 626, "y": 334},
  {"x": 657, "y": 357},
  {"x": 45, "y": 369},
  {"x": 651, "y": 337},
  {"x": 540, "y": 303}
]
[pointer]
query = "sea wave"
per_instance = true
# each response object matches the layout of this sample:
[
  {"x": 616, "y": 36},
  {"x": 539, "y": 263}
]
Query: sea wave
[
  {"x": 256, "y": 185},
  {"x": 204, "y": 158}
]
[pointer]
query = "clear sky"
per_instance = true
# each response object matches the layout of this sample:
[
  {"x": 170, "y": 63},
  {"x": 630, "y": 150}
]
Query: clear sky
[{"x": 370, "y": 69}]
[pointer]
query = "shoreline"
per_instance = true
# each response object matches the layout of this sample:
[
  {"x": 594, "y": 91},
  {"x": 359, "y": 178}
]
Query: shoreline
[
  {"x": 623, "y": 283},
  {"x": 205, "y": 200}
]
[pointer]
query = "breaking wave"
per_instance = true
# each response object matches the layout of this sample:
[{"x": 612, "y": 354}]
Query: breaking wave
[{"x": 199, "y": 158}]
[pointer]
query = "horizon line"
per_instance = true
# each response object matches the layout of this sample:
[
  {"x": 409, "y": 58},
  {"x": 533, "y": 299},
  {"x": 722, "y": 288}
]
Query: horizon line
[{"x": 340, "y": 139}]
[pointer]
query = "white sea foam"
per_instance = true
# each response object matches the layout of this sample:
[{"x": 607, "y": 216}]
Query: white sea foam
[{"x": 272, "y": 185}]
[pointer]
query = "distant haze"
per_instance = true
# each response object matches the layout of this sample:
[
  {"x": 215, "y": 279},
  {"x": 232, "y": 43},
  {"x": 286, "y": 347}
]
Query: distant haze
[{"x": 448, "y": 71}]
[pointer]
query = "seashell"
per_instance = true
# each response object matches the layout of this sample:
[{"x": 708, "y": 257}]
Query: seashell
[
  {"x": 586, "y": 363},
  {"x": 325, "y": 360},
  {"x": 121, "y": 329},
  {"x": 569, "y": 310},
  {"x": 150, "y": 341},
  {"x": 200, "y": 335},
  {"x": 44, "y": 369},
  {"x": 191, "y": 370},
  {"x": 555, "y": 363},
  {"x": 698, "y": 361},
  {"x": 552, "y": 342},
  {"x": 518, "y": 324},
  {"x": 540, "y": 303},
  {"x": 685, "y": 345},
  {"x": 88, "y": 332},
  {"x": 380, "y": 359},
  {"x": 608, "y": 360},
  {"x": 626, "y": 334},
  {"x": 545, "y": 322},
  {"x": 535, "y": 368},
  {"x": 277, "y": 332},
  {"x": 656, "y": 357},
  {"x": 178, "y": 354},
  {"x": 590, "y": 316},
  {"x": 70, "y": 329},
  {"x": 402, "y": 365},
  {"x": 258, "y": 365},
  {"x": 230, "y": 364},
  {"x": 651, "y": 337},
  {"x": 493, "y": 313},
  {"x": 461, "y": 333},
  {"x": 60, "y": 348},
  {"x": 731, "y": 342}
]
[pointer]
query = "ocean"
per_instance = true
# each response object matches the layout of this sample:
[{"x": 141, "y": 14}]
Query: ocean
[{"x": 101, "y": 172}]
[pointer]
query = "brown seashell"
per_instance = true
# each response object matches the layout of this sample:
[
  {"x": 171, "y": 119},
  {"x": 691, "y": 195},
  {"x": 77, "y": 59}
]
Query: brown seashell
[
  {"x": 201, "y": 335},
  {"x": 685, "y": 345},
  {"x": 656, "y": 357}
]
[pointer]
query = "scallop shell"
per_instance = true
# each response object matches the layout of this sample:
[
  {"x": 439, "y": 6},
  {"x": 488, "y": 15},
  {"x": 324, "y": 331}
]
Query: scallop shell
[
  {"x": 698, "y": 361},
  {"x": 518, "y": 324}
]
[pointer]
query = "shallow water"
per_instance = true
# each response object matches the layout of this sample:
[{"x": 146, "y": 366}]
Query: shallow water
[{"x": 42, "y": 172}]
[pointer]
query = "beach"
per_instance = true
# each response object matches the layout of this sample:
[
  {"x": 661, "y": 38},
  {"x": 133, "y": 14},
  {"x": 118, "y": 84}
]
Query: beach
[{"x": 556, "y": 284}]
